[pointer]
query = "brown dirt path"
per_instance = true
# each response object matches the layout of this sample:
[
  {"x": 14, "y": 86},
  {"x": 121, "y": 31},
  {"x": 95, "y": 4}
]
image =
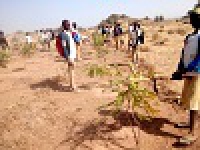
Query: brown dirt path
[{"x": 37, "y": 111}]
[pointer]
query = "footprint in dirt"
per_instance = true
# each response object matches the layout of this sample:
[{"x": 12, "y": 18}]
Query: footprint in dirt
[{"x": 18, "y": 69}]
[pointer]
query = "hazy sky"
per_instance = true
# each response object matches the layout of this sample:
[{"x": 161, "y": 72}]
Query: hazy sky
[{"x": 29, "y": 15}]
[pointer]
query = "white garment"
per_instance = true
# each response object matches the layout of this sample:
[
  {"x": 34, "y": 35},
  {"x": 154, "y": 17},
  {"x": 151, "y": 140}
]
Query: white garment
[
  {"x": 44, "y": 36},
  {"x": 190, "y": 49},
  {"x": 133, "y": 33},
  {"x": 72, "y": 55},
  {"x": 49, "y": 35},
  {"x": 130, "y": 29},
  {"x": 139, "y": 32},
  {"x": 29, "y": 39}
]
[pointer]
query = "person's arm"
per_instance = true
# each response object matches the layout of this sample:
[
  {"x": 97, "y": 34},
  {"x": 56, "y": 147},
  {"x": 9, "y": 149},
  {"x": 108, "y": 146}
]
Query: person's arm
[
  {"x": 178, "y": 74},
  {"x": 64, "y": 43}
]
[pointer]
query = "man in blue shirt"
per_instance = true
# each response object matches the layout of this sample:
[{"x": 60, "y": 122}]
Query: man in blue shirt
[{"x": 189, "y": 70}]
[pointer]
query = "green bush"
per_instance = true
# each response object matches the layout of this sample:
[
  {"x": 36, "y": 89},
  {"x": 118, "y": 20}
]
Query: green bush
[
  {"x": 97, "y": 71},
  {"x": 28, "y": 49},
  {"x": 136, "y": 95},
  {"x": 98, "y": 40},
  {"x": 4, "y": 57},
  {"x": 129, "y": 90}
]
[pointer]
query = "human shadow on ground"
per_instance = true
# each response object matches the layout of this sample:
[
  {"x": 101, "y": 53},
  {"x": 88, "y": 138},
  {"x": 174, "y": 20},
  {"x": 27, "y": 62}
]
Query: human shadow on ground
[{"x": 50, "y": 84}]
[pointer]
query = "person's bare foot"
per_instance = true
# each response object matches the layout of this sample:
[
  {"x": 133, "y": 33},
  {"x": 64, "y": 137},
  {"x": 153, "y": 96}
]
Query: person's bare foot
[
  {"x": 188, "y": 139},
  {"x": 74, "y": 89}
]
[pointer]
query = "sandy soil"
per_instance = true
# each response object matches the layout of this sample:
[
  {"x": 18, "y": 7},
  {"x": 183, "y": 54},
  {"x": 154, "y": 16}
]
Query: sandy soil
[{"x": 38, "y": 112}]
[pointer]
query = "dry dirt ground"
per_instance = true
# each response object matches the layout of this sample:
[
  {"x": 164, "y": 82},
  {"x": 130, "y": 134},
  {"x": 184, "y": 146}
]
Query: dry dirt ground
[{"x": 38, "y": 112}]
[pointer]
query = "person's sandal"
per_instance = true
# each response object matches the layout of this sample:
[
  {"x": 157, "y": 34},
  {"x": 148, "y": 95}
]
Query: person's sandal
[
  {"x": 187, "y": 140},
  {"x": 182, "y": 125}
]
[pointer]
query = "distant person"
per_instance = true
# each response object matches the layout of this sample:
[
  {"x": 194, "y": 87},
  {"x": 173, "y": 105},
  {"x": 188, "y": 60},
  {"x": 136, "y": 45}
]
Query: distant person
[
  {"x": 77, "y": 39},
  {"x": 69, "y": 48},
  {"x": 3, "y": 41},
  {"x": 103, "y": 30},
  {"x": 108, "y": 32},
  {"x": 136, "y": 37},
  {"x": 85, "y": 39},
  {"x": 99, "y": 31},
  {"x": 44, "y": 39},
  {"x": 40, "y": 39},
  {"x": 50, "y": 39},
  {"x": 189, "y": 70},
  {"x": 52, "y": 35},
  {"x": 28, "y": 38},
  {"x": 117, "y": 35}
]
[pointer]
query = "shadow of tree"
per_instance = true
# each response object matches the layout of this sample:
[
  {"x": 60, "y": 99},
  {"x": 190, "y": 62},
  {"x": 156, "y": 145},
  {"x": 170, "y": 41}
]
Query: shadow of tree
[
  {"x": 154, "y": 126},
  {"x": 98, "y": 130},
  {"x": 102, "y": 130}
]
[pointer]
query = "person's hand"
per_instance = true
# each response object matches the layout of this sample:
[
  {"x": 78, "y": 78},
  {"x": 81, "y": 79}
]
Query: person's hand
[{"x": 190, "y": 74}]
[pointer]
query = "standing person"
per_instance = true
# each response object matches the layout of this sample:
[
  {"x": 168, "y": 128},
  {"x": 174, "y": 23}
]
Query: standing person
[
  {"x": 69, "y": 47},
  {"x": 50, "y": 38},
  {"x": 117, "y": 33},
  {"x": 107, "y": 33},
  {"x": 103, "y": 31},
  {"x": 136, "y": 37},
  {"x": 40, "y": 39},
  {"x": 189, "y": 70},
  {"x": 99, "y": 31},
  {"x": 44, "y": 39},
  {"x": 77, "y": 39},
  {"x": 29, "y": 40},
  {"x": 109, "y": 36},
  {"x": 3, "y": 41},
  {"x": 48, "y": 41}
]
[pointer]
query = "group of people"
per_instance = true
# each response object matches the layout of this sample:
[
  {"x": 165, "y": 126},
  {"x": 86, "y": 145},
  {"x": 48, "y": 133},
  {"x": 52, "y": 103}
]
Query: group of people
[
  {"x": 188, "y": 68},
  {"x": 135, "y": 38},
  {"x": 44, "y": 38}
]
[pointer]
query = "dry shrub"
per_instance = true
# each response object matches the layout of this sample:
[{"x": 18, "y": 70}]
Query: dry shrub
[
  {"x": 28, "y": 49},
  {"x": 170, "y": 31},
  {"x": 160, "y": 30},
  {"x": 162, "y": 26},
  {"x": 161, "y": 41},
  {"x": 4, "y": 58},
  {"x": 155, "y": 37},
  {"x": 181, "y": 32},
  {"x": 144, "y": 48}
]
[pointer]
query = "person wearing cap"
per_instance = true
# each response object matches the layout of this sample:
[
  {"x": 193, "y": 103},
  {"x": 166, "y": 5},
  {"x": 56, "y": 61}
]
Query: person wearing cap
[
  {"x": 69, "y": 51},
  {"x": 191, "y": 91}
]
